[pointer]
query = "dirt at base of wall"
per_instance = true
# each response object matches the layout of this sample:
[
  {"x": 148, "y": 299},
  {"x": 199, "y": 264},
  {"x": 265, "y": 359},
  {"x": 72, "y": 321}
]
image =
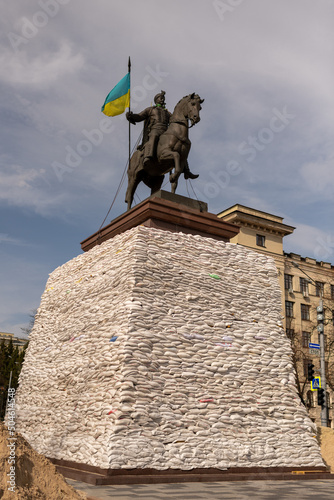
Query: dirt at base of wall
[
  {"x": 326, "y": 441},
  {"x": 36, "y": 477}
]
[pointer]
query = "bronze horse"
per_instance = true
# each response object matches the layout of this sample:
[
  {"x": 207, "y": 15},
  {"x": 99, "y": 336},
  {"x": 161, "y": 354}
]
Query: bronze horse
[{"x": 172, "y": 150}]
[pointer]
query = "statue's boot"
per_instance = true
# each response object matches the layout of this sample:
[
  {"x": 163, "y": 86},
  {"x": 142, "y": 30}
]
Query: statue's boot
[{"x": 189, "y": 175}]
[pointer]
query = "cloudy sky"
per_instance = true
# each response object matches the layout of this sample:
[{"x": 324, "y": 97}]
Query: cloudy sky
[{"x": 265, "y": 140}]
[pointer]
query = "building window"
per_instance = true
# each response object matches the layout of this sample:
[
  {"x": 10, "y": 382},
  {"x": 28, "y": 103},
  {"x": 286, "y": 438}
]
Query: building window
[
  {"x": 288, "y": 282},
  {"x": 319, "y": 289},
  {"x": 305, "y": 312},
  {"x": 306, "y": 362},
  {"x": 303, "y": 286},
  {"x": 309, "y": 399},
  {"x": 305, "y": 339},
  {"x": 290, "y": 332},
  {"x": 289, "y": 309},
  {"x": 329, "y": 423},
  {"x": 332, "y": 291},
  {"x": 328, "y": 400},
  {"x": 260, "y": 240}
]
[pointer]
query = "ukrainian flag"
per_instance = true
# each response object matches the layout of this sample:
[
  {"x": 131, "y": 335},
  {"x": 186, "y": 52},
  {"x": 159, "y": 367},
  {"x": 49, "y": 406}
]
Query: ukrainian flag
[{"x": 118, "y": 98}]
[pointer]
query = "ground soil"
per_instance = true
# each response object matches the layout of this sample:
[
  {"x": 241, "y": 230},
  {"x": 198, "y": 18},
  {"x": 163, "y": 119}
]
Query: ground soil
[
  {"x": 36, "y": 477},
  {"x": 326, "y": 440}
]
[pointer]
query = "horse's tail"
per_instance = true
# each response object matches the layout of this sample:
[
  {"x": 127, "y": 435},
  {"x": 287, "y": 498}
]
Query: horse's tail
[{"x": 134, "y": 175}]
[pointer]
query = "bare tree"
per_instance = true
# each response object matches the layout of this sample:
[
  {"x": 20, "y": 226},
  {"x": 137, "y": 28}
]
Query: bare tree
[{"x": 27, "y": 329}]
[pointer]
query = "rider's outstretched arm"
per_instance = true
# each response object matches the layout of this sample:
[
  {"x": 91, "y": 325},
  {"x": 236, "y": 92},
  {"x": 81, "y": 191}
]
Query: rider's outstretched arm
[{"x": 137, "y": 117}]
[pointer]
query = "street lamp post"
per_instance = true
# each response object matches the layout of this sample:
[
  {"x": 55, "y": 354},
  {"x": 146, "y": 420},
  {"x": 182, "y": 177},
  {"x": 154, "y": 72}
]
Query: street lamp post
[
  {"x": 320, "y": 329},
  {"x": 320, "y": 318}
]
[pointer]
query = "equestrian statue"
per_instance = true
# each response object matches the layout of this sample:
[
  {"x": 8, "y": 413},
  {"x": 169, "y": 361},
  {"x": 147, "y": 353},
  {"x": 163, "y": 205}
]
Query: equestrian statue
[{"x": 165, "y": 145}]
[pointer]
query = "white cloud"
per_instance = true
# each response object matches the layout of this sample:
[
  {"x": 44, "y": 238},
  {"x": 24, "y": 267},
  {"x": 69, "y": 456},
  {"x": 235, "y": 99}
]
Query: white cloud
[
  {"x": 310, "y": 241},
  {"x": 5, "y": 238},
  {"x": 21, "y": 187},
  {"x": 39, "y": 70},
  {"x": 318, "y": 177}
]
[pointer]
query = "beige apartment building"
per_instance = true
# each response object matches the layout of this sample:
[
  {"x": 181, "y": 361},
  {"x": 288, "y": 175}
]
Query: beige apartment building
[
  {"x": 304, "y": 281},
  {"x": 7, "y": 337}
]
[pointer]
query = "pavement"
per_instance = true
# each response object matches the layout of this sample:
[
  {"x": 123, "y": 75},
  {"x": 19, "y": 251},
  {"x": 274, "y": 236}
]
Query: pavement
[{"x": 225, "y": 490}]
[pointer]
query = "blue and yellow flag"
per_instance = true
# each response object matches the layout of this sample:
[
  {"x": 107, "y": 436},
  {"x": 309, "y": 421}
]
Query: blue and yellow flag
[{"x": 118, "y": 98}]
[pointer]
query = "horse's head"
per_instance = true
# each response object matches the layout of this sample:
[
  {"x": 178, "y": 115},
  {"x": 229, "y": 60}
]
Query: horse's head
[{"x": 194, "y": 107}]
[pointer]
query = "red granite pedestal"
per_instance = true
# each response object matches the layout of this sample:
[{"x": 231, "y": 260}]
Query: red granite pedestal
[
  {"x": 169, "y": 212},
  {"x": 98, "y": 476}
]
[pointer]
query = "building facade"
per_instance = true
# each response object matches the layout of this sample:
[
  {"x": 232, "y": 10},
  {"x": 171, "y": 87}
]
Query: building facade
[
  {"x": 304, "y": 282},
  {"x": 7, "y": 337}
]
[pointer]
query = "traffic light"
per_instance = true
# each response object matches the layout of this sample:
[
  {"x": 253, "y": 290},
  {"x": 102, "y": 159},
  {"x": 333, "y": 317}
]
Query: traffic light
[
  {"x": 310, "y": 372},
  {"x": 321, "y": 397},
  {"x": 320, "y": 318}
]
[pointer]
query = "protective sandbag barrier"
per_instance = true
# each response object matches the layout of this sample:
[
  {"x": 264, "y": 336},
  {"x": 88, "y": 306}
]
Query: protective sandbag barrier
[{"x": 166, "y": 351}]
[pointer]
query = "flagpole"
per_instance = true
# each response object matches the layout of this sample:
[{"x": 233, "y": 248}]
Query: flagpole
[{"x": 129, "y": 68}]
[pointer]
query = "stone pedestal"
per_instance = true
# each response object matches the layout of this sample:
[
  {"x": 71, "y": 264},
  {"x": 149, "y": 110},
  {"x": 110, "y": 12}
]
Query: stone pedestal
[
  {"x": 170, "y": 212},
  {"x": 164, "y": 350}
]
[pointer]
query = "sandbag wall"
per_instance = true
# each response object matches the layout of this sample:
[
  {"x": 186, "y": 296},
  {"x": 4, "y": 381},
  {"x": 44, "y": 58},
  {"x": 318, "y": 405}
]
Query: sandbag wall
[{"x": 164, "y": 350}]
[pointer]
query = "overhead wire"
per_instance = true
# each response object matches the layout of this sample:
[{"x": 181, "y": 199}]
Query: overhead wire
[{"x": 199, "y": 203}]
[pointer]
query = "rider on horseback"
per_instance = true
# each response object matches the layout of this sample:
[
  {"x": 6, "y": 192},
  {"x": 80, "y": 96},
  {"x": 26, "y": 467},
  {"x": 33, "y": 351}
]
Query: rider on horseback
[{"x": 156, "y": 122}]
